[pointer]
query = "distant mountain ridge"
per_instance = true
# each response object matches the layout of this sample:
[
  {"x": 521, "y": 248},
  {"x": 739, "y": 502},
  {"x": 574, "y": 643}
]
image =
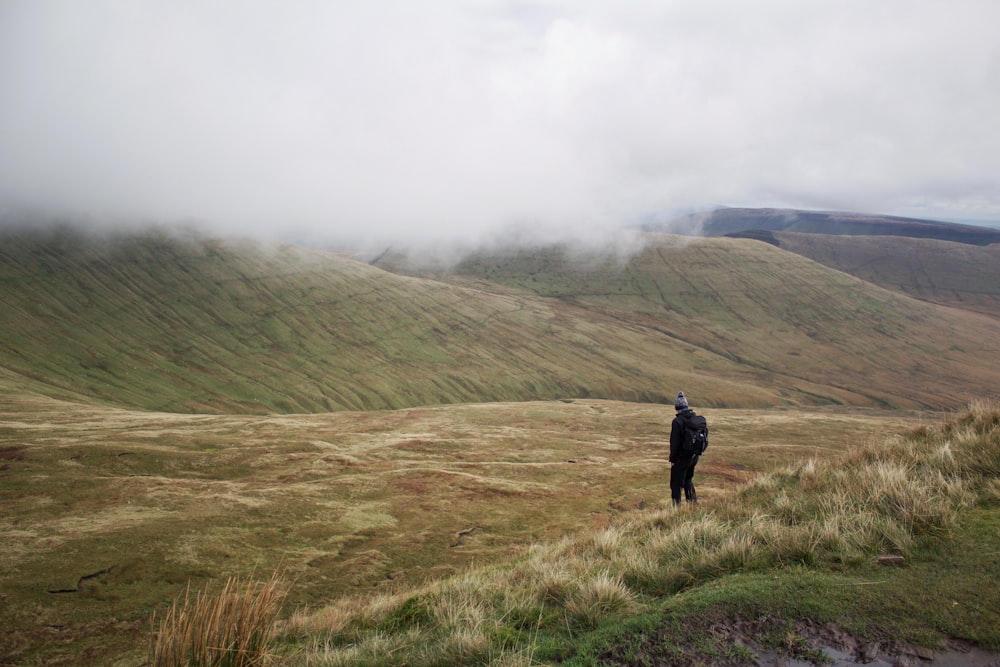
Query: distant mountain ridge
[{"x": 749, "y": 222}]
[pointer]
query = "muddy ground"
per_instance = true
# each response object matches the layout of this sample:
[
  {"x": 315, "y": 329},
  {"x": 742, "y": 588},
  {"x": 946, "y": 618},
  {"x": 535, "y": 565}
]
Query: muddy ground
[{"x": 774, "y": 642}]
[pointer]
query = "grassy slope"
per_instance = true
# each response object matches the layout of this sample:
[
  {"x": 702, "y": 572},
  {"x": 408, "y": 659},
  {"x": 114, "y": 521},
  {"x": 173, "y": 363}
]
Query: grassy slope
[
  {"x": 353, "y": 499},
  {"x": 947, "y": 589},
  {"x": 953, "y": 274},
  {"x": 946, "y": 596},
  {"x": 788, "y": 321},
  {"x": 193, "y": 325}
]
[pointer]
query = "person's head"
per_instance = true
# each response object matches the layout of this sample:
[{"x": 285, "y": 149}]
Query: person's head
[{"x": 681, "y": 403}]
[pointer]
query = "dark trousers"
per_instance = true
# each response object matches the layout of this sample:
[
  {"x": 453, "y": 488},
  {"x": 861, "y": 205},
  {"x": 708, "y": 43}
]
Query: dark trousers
[{"x": 682, "y": 477}]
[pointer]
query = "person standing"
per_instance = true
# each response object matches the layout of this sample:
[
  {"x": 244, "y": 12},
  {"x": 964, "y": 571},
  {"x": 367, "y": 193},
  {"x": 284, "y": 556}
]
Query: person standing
[{"x": 684, "y": 453}]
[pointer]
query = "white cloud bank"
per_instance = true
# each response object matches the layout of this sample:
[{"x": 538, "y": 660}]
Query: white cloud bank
[{"x": 457, "y": 118}]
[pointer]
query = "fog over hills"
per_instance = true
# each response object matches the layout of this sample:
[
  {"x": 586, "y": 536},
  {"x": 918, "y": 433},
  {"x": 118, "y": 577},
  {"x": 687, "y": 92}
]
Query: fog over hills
[
  {"x": 178, "y": 322},
  {"x": 355, "y": 121},
  {"x": 370, "y": 294}
]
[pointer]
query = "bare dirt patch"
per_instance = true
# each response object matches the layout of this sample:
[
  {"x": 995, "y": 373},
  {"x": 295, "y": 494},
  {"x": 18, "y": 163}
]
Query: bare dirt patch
[{"x": 773, "y": 642}]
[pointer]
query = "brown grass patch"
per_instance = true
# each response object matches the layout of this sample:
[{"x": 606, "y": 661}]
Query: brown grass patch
[
  {"x": 208, "y": 497},
  {"x": 14, "y": 453},
  {"x": 232, "y": 627}
]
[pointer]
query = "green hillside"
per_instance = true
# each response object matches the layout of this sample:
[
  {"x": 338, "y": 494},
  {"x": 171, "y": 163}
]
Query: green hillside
[
  {"x": 953, "y": 274},
  {"x": 787, "y": 319},
  {"x": 186, "y": 324},
  {"x": 496, "y": 527}
]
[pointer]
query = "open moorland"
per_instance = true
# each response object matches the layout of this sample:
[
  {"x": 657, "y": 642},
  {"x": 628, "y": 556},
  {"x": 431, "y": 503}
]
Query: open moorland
[
  {"x": 344, "y": 503},
  {"x": 465, "y": 463}
]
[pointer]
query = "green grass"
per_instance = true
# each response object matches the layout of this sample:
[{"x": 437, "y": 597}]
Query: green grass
[
  {"x": 947, "y": 591},
  {"x": 167, "y": 322},
  {"x": 819, "y": 334},
  {"x": 954, "y": 274},
  {"x": 500, "y": 531}
]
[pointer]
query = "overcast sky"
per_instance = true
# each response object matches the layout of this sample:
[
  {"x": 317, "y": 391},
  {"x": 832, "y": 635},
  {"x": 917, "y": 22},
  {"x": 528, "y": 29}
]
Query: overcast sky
[{"x": 453, "y": 118}]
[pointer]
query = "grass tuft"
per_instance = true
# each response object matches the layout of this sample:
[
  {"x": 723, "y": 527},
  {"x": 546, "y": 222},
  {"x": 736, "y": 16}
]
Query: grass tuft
[
  {"x": 600, "y": 597},
  {"x": 232, "y": 627}
]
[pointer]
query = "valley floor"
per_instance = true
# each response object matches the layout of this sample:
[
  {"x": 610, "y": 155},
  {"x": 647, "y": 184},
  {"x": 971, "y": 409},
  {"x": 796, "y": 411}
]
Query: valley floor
[{"x": 127, "y": 508}]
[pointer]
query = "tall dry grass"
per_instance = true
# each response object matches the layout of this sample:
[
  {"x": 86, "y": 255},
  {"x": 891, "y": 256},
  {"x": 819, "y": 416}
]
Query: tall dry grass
[
  {"x": 232, "y": 627},
  {"x": 881, "y": 498}
]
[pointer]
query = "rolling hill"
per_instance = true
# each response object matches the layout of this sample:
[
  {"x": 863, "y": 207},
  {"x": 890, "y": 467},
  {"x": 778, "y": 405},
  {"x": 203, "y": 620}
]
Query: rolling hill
[
  {"x": 196, "y": 325},
  {"x": 188, "y": 324},
  {"x": 382, "y": 516},
  {"x": 953, "y": 274},
  {"x": 787, "y": 320}
]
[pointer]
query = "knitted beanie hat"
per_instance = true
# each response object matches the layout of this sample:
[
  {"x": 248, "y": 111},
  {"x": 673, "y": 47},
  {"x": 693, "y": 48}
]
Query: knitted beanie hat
[{"x": 681, "y": 402}]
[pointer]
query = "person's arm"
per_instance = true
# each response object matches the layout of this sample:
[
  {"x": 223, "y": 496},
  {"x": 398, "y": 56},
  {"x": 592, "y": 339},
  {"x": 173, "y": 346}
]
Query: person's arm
[{"x": 675, "y": 440}]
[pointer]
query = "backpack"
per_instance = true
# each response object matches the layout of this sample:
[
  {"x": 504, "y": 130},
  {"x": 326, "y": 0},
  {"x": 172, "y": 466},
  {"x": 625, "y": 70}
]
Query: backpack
[{"x": 694, "y": 440}]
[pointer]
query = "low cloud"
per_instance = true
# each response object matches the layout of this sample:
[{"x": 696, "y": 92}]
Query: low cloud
[{"x": 382, "y": 121}]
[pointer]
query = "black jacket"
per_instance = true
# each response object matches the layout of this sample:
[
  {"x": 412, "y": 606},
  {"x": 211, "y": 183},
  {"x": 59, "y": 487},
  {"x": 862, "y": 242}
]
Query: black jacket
[{"x": 677, "y": 432}]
